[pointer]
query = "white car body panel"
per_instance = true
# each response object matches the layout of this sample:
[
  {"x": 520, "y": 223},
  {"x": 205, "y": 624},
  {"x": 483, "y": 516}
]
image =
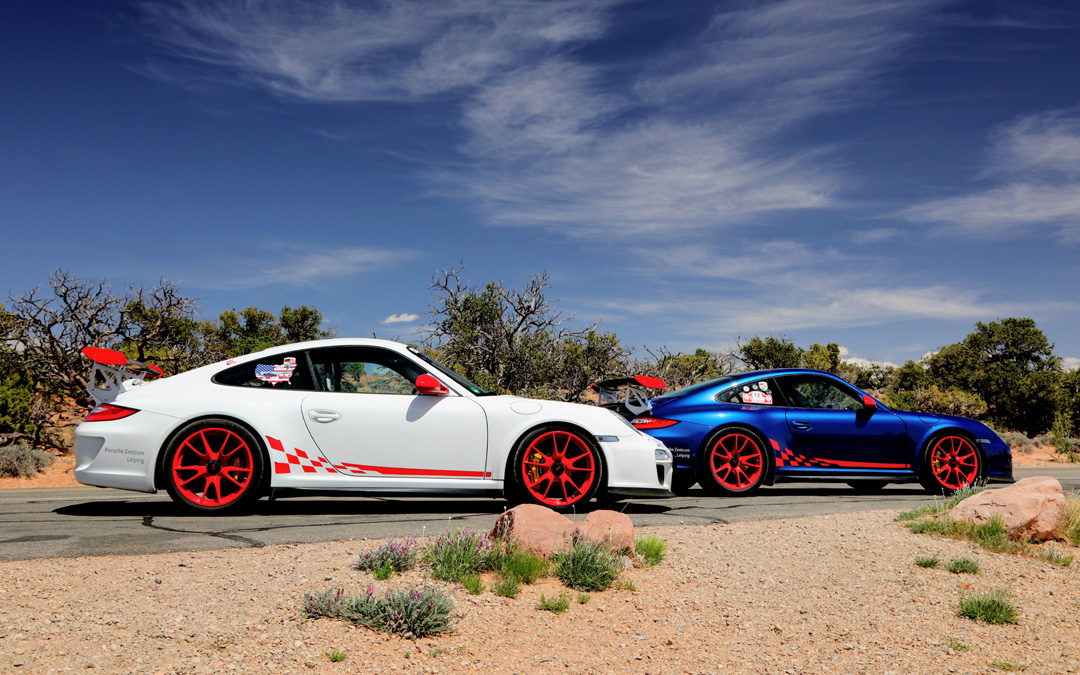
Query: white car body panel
[{"x": 380, "y": 442}]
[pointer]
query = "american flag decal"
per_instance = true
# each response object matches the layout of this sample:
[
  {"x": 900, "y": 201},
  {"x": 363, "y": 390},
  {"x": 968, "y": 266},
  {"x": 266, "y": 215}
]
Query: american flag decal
[{"x": 275, "y": 374}]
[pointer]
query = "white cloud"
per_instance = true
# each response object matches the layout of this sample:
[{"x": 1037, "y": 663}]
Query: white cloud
[
  {"x": 290, "y": 264},
  {"x": 400, "y": 318},
  {"x": 1035, "y": 162},
  {"x": 866, "y": 363},
  {"x": 875, "y": 235},
  {"x": 1070, "y": 363}
]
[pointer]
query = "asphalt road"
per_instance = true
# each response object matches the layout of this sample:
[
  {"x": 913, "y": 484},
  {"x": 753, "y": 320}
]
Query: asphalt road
[{"x": 85, "y": 521}]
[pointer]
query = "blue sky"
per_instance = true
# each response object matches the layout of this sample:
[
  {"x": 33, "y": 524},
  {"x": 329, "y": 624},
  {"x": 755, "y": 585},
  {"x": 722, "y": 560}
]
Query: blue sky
[{"x": 877, "y": 174}]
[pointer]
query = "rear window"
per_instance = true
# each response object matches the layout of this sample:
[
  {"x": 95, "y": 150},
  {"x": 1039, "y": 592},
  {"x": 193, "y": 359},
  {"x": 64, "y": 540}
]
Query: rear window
[{"x": 283, "y": 371}]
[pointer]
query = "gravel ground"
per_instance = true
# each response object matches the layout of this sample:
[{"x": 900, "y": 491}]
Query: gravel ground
[{"x": 828, "y": 594}]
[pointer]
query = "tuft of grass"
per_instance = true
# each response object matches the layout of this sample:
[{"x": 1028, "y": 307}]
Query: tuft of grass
[
  {"x": 963, "y": 566},
  {"x": 22, "y": 461},
  {"x": 526, "y": 566},
  {"x": 956, "y": 645},
  {"x": 928, "y": 561},
  {"x": 393, "y": 556},
  {"x": 1007, "y": 666},
  {"x": 328, "y": 603},
  {"x": 624, "y": 585},
  {"x": 473, "y": 584},
  {"x": 507, "y": 587},
  {"x": 336, "y": 655},
  {"x": 1070, "y": 519},
  {"x": 1051, "y": 555},
  {"x": 583, "y": 598},
  {"x": 556, "y": 604},
  {"x": 989, "y": 606},
  {"x": 651, "y": 548},
  {"x": 939, "y": 507},
  {"x": 587, "y": 566},
  {"x": 463, "y": 552}
]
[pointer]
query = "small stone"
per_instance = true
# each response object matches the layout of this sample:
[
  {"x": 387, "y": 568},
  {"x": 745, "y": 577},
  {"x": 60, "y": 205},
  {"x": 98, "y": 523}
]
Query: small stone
[
  {"x": 157, "y": 580},
  {"x": 310, "y": 664}
]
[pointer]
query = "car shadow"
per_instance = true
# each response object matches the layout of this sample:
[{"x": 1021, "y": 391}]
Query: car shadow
[{"x": 333, "y": 505}]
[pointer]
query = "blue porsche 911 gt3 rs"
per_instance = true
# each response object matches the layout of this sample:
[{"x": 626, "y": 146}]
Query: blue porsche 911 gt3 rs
[{"x": 738, "y": 432}]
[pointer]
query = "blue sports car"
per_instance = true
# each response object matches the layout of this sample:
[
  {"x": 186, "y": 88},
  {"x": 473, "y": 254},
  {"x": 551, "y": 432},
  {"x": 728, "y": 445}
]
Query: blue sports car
[{"x": 738, "y": 432}]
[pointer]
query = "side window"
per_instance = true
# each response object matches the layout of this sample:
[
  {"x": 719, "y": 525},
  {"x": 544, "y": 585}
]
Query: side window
[
  {"x": 364, "y": 370},
  {"x": 811, "y": 391},
  {"x": 759, "y": 392},
  {"x": 286, "y": 371}
]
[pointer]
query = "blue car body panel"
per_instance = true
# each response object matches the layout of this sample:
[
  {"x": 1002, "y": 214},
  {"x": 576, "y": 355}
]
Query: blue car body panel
[{"x": 876, "y": 443}]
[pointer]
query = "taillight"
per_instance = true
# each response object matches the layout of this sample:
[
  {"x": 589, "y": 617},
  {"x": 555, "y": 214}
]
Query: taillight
[
  {"x": 650, "y": 423},
  {"x": 107, "y": 412}
]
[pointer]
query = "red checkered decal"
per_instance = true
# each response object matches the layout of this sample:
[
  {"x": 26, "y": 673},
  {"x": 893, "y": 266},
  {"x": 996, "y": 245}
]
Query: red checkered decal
[
  {"x": 786, "y": 457},
  {"x": 297, "y": 458}
]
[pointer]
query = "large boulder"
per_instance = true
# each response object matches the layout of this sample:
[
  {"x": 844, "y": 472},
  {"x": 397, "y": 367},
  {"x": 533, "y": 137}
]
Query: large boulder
[
  {"x": 1030, "y": 507},
  {"x": 609, "y": 528},
  {"x": 535, "y": 528}
]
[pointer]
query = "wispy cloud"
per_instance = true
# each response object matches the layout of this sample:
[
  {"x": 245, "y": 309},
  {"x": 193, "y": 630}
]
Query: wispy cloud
[
  {"x": 291, "y": 265},
  {"x": 400, "y": 318},
  {"x": 682, "y": 138},
  {"x": 1034, "y": 165}
]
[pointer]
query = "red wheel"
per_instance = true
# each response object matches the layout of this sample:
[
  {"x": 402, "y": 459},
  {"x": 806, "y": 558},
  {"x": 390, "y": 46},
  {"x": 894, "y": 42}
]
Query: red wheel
[
  {"x": 556, "y": 468},
  {"x": 734, "y": 461},
  {"x": 950, "y": 463},
  {"x": 213, "y": 465}
]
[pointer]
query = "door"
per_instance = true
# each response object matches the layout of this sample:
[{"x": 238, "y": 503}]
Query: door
[
  {"x": 369, "y": 422},
  {"x": 832, "y": 428}
]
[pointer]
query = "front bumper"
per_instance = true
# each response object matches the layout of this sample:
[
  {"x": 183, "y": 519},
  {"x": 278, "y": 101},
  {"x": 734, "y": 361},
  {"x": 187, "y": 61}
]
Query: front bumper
[{"x": 638, "y": 466}]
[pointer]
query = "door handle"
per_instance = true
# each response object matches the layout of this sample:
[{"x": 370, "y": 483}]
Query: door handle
[
  {"x": 802, "y": 426},
  {"x": 324, "y": 416}
]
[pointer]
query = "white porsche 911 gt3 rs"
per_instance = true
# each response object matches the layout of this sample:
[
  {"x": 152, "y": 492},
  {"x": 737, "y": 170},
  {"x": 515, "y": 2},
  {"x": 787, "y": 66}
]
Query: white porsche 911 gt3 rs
[{"x": 351, "y": 415}]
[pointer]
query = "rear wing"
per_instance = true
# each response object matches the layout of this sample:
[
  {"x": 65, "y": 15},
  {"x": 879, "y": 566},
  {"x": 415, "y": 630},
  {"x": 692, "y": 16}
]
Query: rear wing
[
  {"x": 635, "y": 394},
  {"x": 112, "y": 372}
]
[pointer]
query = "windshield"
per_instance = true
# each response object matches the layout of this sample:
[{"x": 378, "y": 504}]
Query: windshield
[
  {"x": 686, "y": 391},
  {"x": 445, "y": 370}
]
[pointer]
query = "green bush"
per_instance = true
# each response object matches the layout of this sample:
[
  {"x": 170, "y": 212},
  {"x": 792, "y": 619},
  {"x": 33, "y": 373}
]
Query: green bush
[
  {"x": 963, "y": 566},
  {"x": 22, "y": 461},
  {"x": 928, "y": 561},
  {"x": 473, "y": 584},
  {"x": 587, "y": 566},
  {"x": 411, "y": 611},
  {"x": 990, "y": 606},
  {"x": 526, "y": 566},
  {"x": 651, "y": 548},
  {"x": 556, "y": 604},
  {"x": 507, "y": 587}
]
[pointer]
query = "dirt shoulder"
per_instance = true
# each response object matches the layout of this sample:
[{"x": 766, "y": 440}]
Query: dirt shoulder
[{"x": 827, "y": 594}]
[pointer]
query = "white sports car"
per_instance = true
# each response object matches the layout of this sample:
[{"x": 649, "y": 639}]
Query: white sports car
[{"x": 349, "y": 414}]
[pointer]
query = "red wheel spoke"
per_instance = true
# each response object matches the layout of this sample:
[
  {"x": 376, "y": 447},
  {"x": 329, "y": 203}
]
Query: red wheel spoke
[
  {"x": 199, "y": 473},
  {"x": 573, "y": 463},
  {"x": 212, "y": 467},
  {"x": 238, "y": 483},
  {"x": 189, "y": 445}
]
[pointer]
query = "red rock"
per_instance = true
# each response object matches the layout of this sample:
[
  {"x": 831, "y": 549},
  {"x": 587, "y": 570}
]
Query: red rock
[
  {"x": 609, "y": 528},
  {"x": 1031, "y": 506},
  {"x": 535, "y": 528}
]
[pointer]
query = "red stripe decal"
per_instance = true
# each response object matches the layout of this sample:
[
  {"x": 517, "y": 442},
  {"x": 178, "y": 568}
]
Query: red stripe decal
[
  {"x": 398, "y": 471},
  {"x": 865, "y": 465}
]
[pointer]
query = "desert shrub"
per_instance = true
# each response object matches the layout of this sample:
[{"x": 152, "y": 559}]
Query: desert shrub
[
  {"x": 1051, "y": 555},
  {"x": 22, "y": 461},
  {"x": 651, "y": 549},
  {"x": 1061, "y": 437},
  {"x": 928, "y": 561},
  {"x": 587, "y": 566},
  {"x": 989, "y": 606},
  {"x": 395, "y": 556},
  {"x": 411, "y": 611},
  {"x": 1018, "y": 441},
  {"x": 463, "y": 552},
  {"x": 336, "y": 655},
  {"x": 473, "y": 584}
]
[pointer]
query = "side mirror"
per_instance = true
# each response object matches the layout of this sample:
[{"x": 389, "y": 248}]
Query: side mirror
[
  {"x": 869, "y": 402},
  {"x": 427, "y": 385}
]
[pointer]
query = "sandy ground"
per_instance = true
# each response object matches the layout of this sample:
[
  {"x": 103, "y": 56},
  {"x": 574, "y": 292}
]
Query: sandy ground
[{"x": 828, "y": 594}]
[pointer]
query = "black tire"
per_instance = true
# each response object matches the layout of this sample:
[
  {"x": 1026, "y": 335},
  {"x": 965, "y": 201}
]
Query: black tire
[
  {"x": 951, "y": 461},
  {"x": 867, "y": 487},
  {"x": 682, "y": 480},
  {"x": 556, "y": 467},
  {"x": 734, "y": 462},
  {"x": 214, "y": 466}
]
